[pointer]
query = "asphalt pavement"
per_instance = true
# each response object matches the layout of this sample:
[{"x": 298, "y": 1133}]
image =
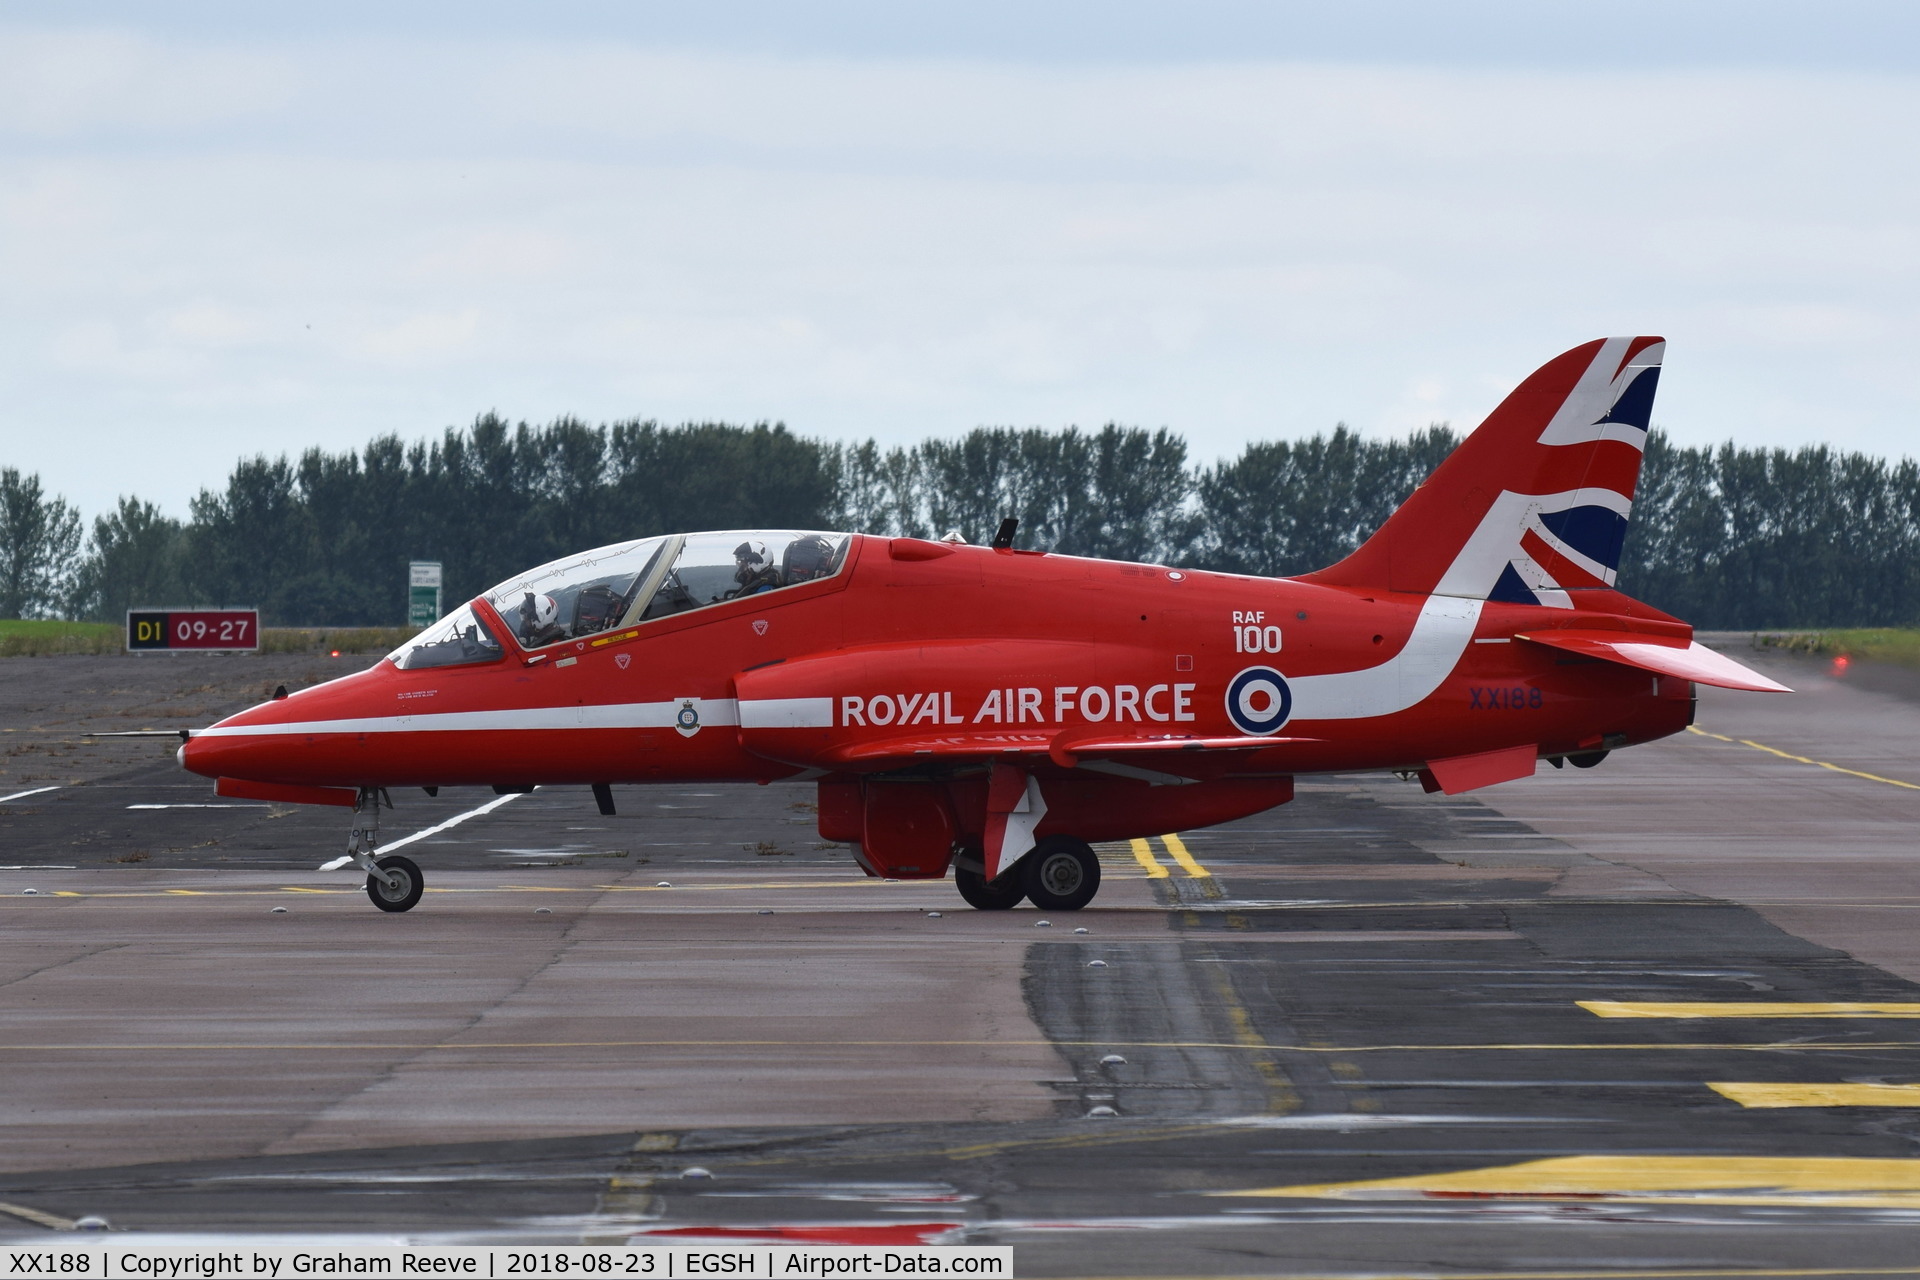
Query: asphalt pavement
[{"x": 1660, "y": 1017}]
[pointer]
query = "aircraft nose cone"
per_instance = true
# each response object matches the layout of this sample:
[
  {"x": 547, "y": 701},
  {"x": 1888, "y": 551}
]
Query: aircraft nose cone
[{"x": 194, "y": 754}]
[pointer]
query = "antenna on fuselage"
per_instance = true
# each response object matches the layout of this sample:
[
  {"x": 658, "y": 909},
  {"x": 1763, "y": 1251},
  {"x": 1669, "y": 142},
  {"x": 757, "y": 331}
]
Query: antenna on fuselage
[{"x": 1003, "y": 540}]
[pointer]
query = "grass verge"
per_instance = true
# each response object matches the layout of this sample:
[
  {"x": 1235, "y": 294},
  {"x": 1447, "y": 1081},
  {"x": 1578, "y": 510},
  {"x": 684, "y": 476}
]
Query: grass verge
[
  {"x": 1882, "y": 644},
  {"x": 35, "y": 637}
]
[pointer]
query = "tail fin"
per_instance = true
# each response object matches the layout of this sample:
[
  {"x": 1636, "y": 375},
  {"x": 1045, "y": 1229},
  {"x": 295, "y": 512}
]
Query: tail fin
[{"x": 1534, "y": 503}]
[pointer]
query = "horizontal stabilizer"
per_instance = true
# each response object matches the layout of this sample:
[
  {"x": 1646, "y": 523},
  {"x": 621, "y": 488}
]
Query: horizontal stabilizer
[
  {"x": 1482, "y": 769},
  {"x": 1690, "y": 661}
]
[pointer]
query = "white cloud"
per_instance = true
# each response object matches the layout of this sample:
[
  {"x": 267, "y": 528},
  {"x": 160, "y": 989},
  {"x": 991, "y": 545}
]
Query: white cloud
[
  {"x": 209, "y": 249},
  {"x": 61, "y": 84},
  {"x": 427, "y": 339}
]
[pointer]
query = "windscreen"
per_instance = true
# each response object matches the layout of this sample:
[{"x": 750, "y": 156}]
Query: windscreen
[{"x": 455, "y": 640}]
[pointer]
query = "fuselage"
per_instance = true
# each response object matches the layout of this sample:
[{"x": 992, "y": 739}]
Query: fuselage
[{"x": 915, "y": 652}]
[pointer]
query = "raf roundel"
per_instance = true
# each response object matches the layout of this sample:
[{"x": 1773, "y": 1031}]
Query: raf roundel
[{"x": 1258, "y": 701}]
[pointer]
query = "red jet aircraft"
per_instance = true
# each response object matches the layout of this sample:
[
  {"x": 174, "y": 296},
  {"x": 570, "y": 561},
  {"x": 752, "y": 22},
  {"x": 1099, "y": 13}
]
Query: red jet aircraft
[{"x": 995, "y": 710}]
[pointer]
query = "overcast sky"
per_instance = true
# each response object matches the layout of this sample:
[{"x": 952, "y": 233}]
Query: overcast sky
[{"x": 230, "y": 229}]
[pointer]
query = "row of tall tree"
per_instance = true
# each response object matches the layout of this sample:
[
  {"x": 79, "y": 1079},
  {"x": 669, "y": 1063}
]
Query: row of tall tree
[{"x": 1725, "y": 537}]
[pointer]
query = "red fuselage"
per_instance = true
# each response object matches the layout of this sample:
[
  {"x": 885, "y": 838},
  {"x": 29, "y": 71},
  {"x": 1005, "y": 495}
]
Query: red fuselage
[{"x": 922, "y": 660}]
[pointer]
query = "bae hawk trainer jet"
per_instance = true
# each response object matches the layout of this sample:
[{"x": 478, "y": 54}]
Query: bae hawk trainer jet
[{"x": 993, "y": 711}]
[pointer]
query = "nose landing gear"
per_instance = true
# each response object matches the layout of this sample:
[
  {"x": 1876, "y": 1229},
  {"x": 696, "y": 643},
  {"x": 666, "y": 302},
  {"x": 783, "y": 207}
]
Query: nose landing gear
[{"x": 394, "y": 883}]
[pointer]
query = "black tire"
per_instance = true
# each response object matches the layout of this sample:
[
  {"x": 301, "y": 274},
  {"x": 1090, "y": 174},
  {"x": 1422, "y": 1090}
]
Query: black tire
[
  {"x": 1061, "y": 874},
  {"x": 982, "y": 894},
  {"x": 1587, "y": 761},
  {"x": 406, "y": 894}
]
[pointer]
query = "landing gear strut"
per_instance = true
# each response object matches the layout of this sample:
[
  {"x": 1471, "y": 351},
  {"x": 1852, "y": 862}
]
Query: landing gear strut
[{"x": 394, "y": 883}]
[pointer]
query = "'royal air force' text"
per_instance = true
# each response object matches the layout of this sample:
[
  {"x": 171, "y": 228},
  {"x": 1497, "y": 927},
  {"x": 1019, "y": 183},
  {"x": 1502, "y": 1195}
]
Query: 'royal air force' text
[{"x": 1062, "y": 704}]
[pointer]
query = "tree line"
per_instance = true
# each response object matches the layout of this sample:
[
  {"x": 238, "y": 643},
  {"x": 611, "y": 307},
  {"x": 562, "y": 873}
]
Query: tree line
[{"x": 1726, "y": 537}]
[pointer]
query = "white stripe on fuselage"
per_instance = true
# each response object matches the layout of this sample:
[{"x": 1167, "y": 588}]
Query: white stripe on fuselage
[
  {"x": 1440, "y": 636},
  {"x": 616, "y": 715},
  {"x": 786, "y": 713}
]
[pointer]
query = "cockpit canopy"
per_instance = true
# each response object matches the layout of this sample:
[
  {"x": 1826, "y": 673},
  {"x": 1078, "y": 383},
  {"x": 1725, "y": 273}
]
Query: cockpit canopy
[{"x": 628, "y": 583}]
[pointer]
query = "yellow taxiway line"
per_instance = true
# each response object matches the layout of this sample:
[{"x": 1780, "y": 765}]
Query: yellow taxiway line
[
  {"x": 1788, "y": 755},
  {"x": 1754, "y": 1095},
  {"x": 1759, "y": 1181},
  {"x": 1178, "y": 848},
  {"x": 50, "y": 1221},
  {"x": 1143, "y": 854},
  {"x": 1157, "y": 870},
  {"x": 1750, "y": 1009}
]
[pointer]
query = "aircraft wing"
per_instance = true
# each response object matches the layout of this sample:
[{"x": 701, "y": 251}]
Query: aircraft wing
[
  {"x": 1667, "y": 656},
  {"x": 1139, "y": 754}
]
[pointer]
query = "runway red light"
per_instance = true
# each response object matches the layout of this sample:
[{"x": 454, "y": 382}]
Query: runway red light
[
  {"x": 334, "y": 654},
  {"x": 1840, "y": 664}
]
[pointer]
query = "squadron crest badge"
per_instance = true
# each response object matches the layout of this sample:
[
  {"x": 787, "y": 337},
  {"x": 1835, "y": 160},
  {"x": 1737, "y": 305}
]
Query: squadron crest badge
[{"x": 686, "y": 721}]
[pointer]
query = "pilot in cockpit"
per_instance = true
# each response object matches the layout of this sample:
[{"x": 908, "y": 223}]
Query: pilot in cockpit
[
  {"x": 594, "y": 608},
  {"x": 540, "y": 621},
  {"x": 754, "y": 570}
]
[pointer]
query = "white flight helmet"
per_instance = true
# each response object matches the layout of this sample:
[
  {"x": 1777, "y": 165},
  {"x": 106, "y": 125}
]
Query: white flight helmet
[{"x": 749, "y": 558}]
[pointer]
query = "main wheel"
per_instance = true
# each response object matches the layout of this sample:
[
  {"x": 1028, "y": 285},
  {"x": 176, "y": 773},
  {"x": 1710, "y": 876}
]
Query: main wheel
[
  {"x": 401, "y": 895},
  {"x": 989, "y": 895},
  {"x": 1588, "y": 761},
  {"x": 1062, "y": 874}
]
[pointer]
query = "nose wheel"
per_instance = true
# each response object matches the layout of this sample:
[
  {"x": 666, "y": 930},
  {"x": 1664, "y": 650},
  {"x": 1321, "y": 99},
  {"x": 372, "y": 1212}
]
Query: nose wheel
[{"x": 398, "y": 885}]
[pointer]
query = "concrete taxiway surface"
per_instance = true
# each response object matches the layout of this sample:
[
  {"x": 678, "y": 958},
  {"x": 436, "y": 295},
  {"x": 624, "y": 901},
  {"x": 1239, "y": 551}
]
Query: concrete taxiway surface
[{"x": 1660, "y": 1015}]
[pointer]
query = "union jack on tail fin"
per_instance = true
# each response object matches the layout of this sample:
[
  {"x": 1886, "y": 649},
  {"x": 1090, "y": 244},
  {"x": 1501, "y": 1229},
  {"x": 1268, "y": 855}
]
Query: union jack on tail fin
[{"x": 1533, "y": 506}]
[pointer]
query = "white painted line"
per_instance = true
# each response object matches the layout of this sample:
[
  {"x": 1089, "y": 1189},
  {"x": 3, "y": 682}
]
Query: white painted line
[
  {"x": 22, "y": 795},
  {"x": 434, "y": 830},
  {"x": 199, "y": 806}
]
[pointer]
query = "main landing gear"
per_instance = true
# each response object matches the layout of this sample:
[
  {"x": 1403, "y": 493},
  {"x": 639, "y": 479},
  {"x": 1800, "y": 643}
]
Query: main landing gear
[
  {"x": 983, "y": 894},
  {"x": 394, "y": 883},
  {"x": 1060, "y": 874}
]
